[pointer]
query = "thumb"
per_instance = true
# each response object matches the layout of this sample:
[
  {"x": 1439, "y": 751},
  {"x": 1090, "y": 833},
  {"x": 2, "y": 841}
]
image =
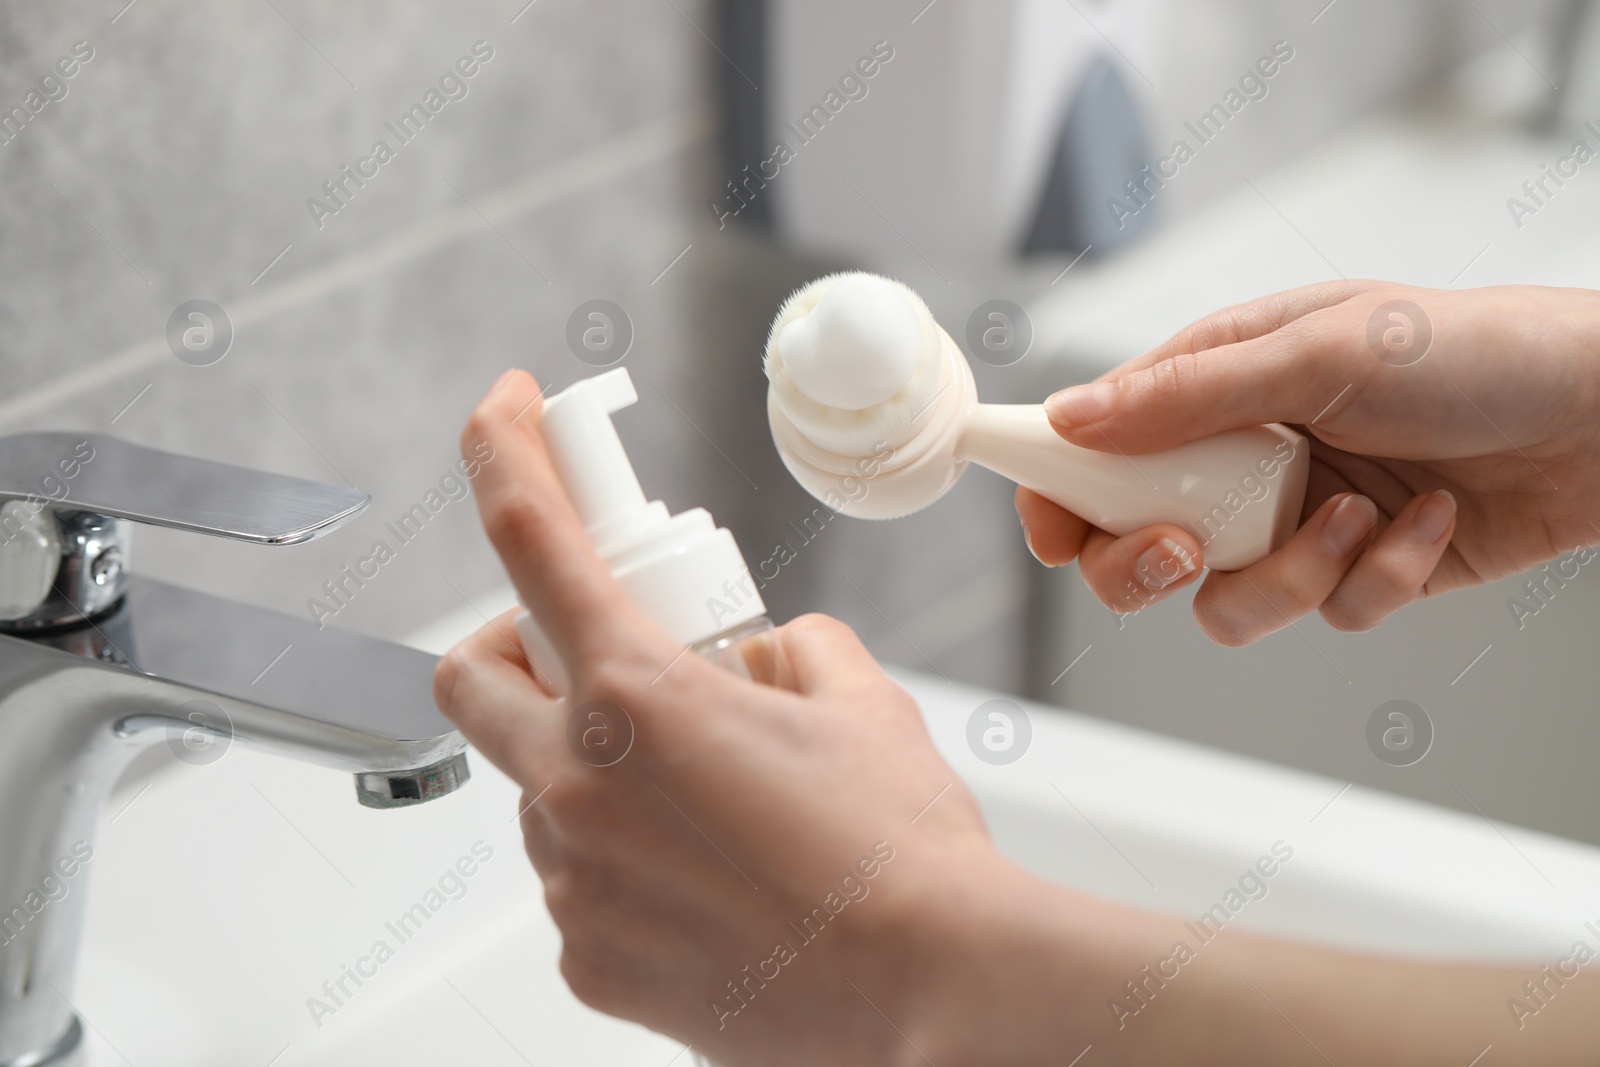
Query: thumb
[
  {"x": 825, "y": 656},
  {"x": 1293, "y": 374}
]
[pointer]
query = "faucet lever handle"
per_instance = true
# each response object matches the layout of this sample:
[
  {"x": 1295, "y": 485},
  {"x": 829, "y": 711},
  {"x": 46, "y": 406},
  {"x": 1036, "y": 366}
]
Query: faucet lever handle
[{"x": 105, "y": 475}]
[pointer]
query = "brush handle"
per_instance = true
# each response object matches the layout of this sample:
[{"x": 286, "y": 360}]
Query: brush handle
[{"x": 1239, "y": 492}]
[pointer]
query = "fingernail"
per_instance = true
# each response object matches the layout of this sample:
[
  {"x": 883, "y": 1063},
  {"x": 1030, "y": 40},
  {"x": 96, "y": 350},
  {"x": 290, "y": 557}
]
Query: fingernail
[
  {"x": 1434, "y": 517},
  {"x": 1081, "y": 405},
  {"x": 1027, "y": 538},
  {"x": 1350, "y": 522},
  {"x": 1163, "y": 563},
  {"x": 498, "y": 382}
]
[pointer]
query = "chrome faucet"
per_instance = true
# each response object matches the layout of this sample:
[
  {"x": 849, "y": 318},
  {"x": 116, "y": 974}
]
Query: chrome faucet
[{"x": 97, "y": 664}]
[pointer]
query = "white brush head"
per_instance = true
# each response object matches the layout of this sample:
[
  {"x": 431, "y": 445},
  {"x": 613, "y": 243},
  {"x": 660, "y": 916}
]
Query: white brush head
[
  {"x": 866, "y": 395},
  {"x": 852, "y": 359},
  {"x": 857, "y": 347}
]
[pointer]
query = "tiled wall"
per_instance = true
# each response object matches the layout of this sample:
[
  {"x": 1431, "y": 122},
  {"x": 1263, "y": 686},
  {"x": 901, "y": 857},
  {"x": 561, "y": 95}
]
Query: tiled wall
[
  {"x": 576, "y": 166},
  {"x": 179, "y": 166},
  {"x": 574, "y": 163}
]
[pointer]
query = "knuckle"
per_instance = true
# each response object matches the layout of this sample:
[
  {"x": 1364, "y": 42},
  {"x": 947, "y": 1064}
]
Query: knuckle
[
  {"x": 642, "y": 689},
  {"x": 1320, "y": 343},
  {"x": 453, "y": 672},
  {"x": 581, "y": 896},
  {"x": 615, "y": 679},
  {"x": 826, "y": 628},
  {"x": 1225, "y": 628},
  {"x": 1218, "y": 328},
  {"x": 1326, "y": 347},
  {"x": 1345, "y": 614},
  {"x": 815, "y": 620},
  {"x": 565, "y": 898},
  {"x": 899, "y": 704},
  {"x": 1346, "y": 621},
  {"x": 477, "y": 428},
  {"x": 539, "y": 838},
  {"x": 558, "y": 896},
  {"x": 1169, "y": 381},
  {"x": 1295, "y": 591},
  {"x": 591, "y": 980},
  {"x": 1223, "y": 328},
  {"x": 1398, "y": 578},
  {"x": 447, "y": 676},
  {"x": 570, "y": 798},
  {"x": 1224, "y": 623},
  {"x": 510, "y": 522}
]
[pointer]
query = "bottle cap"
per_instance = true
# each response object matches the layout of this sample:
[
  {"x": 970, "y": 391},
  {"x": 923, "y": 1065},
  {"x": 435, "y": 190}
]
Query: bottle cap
[{"x": 684, "y": 571}]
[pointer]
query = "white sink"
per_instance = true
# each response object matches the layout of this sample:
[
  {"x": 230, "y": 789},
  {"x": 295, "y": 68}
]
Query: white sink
[{"x": 224, "y": 896}]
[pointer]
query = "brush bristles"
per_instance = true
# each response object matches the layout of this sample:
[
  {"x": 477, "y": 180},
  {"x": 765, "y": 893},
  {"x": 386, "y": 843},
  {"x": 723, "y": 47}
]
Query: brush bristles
[{"x": 855, "y": 433}]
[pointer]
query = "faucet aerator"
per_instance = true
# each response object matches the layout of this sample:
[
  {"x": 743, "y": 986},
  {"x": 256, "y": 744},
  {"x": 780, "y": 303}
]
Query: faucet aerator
[{"x": 403, "y": 789}]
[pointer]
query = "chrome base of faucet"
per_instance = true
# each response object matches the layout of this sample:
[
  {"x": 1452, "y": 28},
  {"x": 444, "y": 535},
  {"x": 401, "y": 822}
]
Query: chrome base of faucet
[
  {"x": 65, "y": 1051},
  {"x": 97, "y": 664}
]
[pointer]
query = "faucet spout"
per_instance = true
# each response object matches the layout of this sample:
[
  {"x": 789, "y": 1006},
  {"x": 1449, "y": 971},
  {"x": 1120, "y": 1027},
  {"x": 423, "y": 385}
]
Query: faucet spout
[{"x": 196, "y": 672}]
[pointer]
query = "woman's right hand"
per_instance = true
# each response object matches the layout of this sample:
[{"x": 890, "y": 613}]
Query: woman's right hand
[{"x": 1455, "y": 439}]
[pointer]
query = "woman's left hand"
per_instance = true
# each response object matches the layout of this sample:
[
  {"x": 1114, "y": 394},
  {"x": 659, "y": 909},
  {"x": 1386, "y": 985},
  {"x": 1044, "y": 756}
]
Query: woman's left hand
[{"x": 729, "y": 862}]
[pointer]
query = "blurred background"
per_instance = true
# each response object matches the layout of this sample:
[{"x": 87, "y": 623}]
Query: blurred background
[{"x": 627, "y": 151}]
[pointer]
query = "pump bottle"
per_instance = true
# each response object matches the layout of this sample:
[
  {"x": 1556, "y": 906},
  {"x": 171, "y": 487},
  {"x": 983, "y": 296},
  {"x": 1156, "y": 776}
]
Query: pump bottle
[{"x": 684, "y": 571}]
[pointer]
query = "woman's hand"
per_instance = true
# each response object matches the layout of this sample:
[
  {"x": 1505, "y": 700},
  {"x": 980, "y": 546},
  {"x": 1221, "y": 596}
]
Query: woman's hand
[
  {"x": 747, "y": 876},
  {"x": 1453, "y": 442}
]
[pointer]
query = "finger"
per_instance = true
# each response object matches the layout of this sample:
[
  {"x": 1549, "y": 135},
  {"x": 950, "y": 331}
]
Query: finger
[
  {"x": 826, "y": 657},
  {"x": 1247, "y": 605},
  {"x": 1391, "y": 573},
  {"x": 484, "y": 687},
  {"x": 531, "y": 522},
  {"x": 1135, "y": 571},
  {"x": 1053, "y": 534},
  {"x": 765, "y": 659},
  {"x": 1292, "y": 374},
  {"x": 1247, "y": 321},
  {"x": 500, "y": 636}
]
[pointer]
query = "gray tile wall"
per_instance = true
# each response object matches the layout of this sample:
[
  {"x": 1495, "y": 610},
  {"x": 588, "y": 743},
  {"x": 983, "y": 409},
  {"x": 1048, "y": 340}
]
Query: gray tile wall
[{"x": 190, "y": 144}]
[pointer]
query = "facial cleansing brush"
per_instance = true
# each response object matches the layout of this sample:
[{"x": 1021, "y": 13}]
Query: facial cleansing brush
[{"x": 865, "y": 388}]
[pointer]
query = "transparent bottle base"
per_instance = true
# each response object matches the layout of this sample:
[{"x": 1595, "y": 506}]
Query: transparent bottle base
[{"x": 723, "y": 649}]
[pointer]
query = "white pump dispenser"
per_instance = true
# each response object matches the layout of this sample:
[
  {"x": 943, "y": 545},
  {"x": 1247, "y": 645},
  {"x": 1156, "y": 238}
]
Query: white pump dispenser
[{"x": 683, "y": 571}]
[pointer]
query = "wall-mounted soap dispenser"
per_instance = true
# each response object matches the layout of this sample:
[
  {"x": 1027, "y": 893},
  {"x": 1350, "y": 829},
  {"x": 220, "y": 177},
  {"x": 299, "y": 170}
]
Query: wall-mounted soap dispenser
[{"x": 953, "y": 133}]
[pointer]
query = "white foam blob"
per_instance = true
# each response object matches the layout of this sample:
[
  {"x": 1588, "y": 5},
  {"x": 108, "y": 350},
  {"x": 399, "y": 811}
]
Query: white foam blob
[{"x": 858, "y": 347}]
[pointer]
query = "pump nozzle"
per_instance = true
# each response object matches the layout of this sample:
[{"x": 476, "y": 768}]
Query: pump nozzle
[{"x": 589, "y": 455}]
